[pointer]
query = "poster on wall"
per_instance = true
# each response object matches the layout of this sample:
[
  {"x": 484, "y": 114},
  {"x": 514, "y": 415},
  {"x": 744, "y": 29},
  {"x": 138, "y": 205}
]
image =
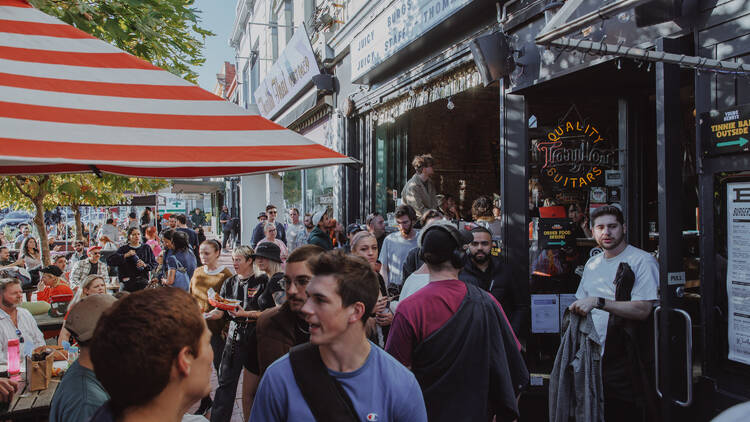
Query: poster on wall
[
  {"x": 727, "y": 131},
  {"x": 545, "y": 314},
  {"x": 738, "y": 270}
]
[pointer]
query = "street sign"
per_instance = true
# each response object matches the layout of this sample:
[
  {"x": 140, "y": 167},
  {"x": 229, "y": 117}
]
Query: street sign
[{"x": 726, "y": 131}]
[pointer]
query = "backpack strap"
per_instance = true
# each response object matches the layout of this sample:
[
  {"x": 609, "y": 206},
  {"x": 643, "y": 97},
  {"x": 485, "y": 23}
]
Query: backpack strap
[
  {"x": 178, "y": 265},
  {"x": 324, "y": 395}
]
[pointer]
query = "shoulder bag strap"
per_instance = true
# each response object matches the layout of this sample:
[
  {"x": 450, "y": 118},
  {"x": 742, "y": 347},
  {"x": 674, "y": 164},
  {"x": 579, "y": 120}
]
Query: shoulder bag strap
[{"x": 324, "y": 395}]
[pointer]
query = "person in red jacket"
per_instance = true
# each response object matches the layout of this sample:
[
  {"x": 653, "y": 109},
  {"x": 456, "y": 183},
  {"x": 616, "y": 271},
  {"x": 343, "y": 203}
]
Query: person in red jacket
[{"x": 52, "y": 284}]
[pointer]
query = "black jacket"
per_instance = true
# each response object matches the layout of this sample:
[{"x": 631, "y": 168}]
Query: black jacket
[
  {"x": 411, "y": 264},
  {"x": 471, "y": 367},
  {"x": 127, "y": 268},
  {"x": 259, "y": 234},
  {"x": 507, "y": 285}
]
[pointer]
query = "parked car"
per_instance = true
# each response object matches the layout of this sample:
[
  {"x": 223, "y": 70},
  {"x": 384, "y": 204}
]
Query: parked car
[{"x": 14, "y": 218}]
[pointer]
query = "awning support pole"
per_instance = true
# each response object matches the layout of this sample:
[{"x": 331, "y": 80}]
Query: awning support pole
[
  {"x": 588, "y": 19},
  {"x": 699, "y": 63}
]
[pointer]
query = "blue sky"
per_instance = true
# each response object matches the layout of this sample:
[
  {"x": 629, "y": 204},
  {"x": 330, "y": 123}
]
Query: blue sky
[{"x": 218, "y": 17}]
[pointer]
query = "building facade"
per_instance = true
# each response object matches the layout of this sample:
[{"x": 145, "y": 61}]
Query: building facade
[
  {"x": 286, "y": 69},
  {"x": 572, "y": 104}
]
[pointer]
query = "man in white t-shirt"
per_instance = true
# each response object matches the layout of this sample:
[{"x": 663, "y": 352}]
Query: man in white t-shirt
[{"x": 596, "y": 292}]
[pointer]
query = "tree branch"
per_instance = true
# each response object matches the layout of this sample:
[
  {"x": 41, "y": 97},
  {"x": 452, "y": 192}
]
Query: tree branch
[{"x": 20, "y": 188}]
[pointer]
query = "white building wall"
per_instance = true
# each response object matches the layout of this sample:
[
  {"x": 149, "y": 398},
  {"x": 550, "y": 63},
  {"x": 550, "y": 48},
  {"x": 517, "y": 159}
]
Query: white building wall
[{"x": 254, "y": 37}]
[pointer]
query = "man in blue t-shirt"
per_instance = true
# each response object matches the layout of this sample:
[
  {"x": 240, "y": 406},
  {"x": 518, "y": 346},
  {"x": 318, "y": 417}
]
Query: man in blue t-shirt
[{"x": 342, "y": 294}]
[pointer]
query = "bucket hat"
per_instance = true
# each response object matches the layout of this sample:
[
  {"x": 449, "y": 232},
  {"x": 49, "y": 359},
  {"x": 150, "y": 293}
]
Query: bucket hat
[{"x": 268, "y": 250}]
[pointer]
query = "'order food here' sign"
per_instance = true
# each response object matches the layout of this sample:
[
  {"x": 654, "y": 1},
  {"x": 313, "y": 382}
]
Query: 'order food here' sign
[
  {"x": 397, "y": 26},
  {"x": 292, "y": 72}
]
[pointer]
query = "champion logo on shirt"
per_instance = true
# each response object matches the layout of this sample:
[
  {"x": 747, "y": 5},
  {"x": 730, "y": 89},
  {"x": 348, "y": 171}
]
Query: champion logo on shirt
[{"x": 372, "y": 417}]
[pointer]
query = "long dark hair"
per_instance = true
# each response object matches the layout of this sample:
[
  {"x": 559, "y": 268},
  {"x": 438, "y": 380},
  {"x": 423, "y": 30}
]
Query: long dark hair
[
  {"x": 179, "y": 240},
  {"x": 25, "y": 247}
]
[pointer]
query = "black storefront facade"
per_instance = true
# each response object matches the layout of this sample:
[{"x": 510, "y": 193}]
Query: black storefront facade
[
  {"x": 427, "y": 97},
  {"x": 661, "y": 118},
  {"x": 661, "y": 135}
]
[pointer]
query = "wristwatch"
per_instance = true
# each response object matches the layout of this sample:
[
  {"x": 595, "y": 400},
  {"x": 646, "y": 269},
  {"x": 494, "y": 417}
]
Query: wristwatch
[{"x": 600, "y": 303}]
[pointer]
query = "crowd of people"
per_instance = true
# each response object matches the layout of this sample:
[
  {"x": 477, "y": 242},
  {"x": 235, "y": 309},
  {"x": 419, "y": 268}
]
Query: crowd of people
[{"x": 424, "y": 323}]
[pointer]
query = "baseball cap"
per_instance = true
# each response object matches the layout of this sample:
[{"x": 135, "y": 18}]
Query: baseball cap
[
  {"x": 93, "y": 248},
  {"x": 317, "y": 217},
  {"x": 262, "y": 214},
  {"x": 51, "y": 269},
  {"x": 85, "y": 314}
]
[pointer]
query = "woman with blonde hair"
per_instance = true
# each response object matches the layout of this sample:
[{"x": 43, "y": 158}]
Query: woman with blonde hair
[
  {"x": 247, "y": 287},
  {"x": 268, "y": 261},
  {"x": 93, "y": 284},
  {"x": 365, "y": 245}
]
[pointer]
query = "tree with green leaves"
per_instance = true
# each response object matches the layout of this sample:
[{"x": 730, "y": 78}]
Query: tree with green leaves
[
  {"x": 86, "y": 189},
  {"x": 40, "y": 193},
  {"x": 164, "y": 32}
]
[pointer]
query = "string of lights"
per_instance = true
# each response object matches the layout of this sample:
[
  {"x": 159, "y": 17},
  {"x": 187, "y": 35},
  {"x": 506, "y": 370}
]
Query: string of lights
[
  {"x": 699, "y": 64},
  {"x": 439, "y": 88}
]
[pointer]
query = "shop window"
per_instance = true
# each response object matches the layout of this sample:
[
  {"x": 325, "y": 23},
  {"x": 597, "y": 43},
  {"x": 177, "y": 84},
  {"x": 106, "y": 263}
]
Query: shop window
[
  {"x": 320, "y": 182},
  {"x": 292, "y": 187},
  {"x": 390, "y": 165}
]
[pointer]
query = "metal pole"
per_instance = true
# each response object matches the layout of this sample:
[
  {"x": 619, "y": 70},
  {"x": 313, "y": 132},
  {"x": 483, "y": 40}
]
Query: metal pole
[
  {"x": 702, "y": 63},
  {"x": 588, "y": 19},
  {"x": 669, "y": 171}
]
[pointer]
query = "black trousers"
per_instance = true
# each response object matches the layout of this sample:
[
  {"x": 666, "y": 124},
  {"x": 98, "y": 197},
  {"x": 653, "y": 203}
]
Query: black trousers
[
  {"x": 227, "y": 235},
  {"x": 233, "y": 359}
]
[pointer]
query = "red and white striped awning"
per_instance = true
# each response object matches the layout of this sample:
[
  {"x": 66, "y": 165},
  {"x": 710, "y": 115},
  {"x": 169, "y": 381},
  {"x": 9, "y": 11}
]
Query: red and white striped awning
[{"x": 70, "y": 102}]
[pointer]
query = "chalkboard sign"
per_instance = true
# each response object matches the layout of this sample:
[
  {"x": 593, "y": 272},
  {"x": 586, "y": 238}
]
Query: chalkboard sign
[
  {"x": 726, "y": 131},
  {"x": 555, "y": 233}
]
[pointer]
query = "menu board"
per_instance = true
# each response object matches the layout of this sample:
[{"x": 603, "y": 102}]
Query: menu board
[{"x": 738, "y": 270}]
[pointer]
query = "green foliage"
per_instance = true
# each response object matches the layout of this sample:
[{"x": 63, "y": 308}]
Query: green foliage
[
  {"x": 163, "y": 32},
  {"x": 40, "y": 193}
]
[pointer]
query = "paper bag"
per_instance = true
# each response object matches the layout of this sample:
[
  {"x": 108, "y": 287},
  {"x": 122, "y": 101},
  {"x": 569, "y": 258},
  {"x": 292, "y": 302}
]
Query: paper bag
[{"x": 39, "y": 373}]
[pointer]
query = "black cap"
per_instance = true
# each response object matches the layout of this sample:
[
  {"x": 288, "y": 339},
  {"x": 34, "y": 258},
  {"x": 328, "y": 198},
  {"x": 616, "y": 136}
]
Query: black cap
[
  {"x": 268, "y": 250},
  {"x": 440, "y": 239},
  {"x": 51, "y": 269},
  {"x": 262, "y": 214}
]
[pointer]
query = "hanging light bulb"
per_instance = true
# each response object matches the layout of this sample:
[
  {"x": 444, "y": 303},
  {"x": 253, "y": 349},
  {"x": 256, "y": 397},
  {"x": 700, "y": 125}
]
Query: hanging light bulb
[{"x": 450, "y": 104}]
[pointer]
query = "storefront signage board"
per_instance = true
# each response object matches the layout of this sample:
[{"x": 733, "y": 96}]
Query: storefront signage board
[
  {"x": 396, "y": 27},
  {"x": 727, "y": 131},
  {"x": 292, "y": 73},
  {"x": 738, "y": 270},
  {"x": 555, "y": 233}
]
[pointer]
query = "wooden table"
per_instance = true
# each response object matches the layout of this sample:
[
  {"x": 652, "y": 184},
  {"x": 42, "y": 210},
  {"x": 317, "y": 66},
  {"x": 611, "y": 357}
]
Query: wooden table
[
  {"x": 48, "y": 323},
  {"x": 49, "y": 326},
  {"x": 30, "y": 405}
]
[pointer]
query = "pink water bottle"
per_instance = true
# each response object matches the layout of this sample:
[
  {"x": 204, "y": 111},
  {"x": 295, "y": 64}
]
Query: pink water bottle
[{"x": 14, "y": 356}]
